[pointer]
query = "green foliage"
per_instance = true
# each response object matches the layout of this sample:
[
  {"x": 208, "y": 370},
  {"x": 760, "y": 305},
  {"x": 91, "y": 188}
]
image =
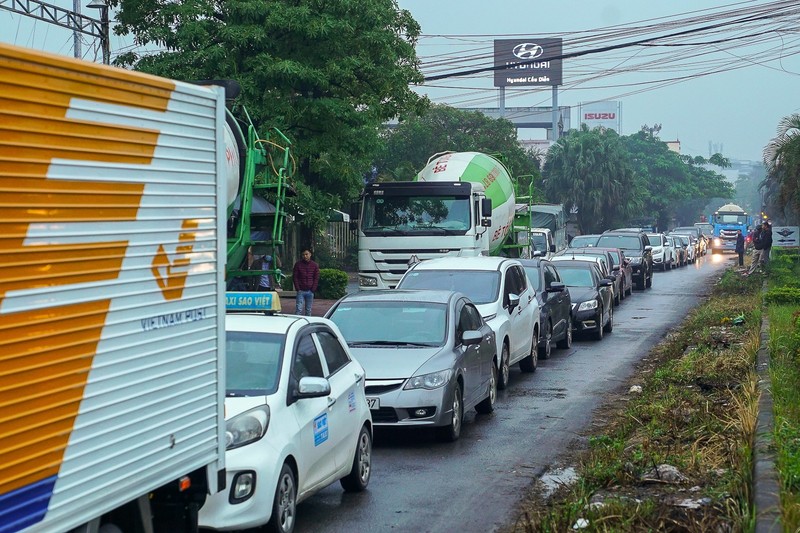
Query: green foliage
[
  {"x": 782, "y": 158},
  {"x": 327, "y": 74},
  {"x": 409, "y": 146},
  {"x": 591, "y": 169},
  {"x": 287, "y": 283},
  {"x": 332, "y": 284},
  {"x": 783, "y": 295}
]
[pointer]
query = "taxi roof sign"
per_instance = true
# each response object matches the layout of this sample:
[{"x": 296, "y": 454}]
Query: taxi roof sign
[{"x": 265, "y": 302}]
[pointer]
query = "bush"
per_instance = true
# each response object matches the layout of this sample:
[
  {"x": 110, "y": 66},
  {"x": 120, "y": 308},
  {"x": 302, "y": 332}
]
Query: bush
[
  {"x": 332, "y": 284},
  {"x": 783, "y": 295},
  {"x": 287, "y": 283}
]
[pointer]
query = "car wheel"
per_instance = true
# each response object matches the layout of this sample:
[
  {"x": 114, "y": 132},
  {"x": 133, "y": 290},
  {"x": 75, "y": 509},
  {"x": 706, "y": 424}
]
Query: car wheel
[
  {"x": 609, "y": 327},
  {"x": 452, "y": 431},
  {"x": 284, "y": 503},
  {"x": 598, "y": 333},
  {"x": 502, "y": 379},
  {"x": 617, "y": 297},
  {"x": 528, "y": 364},
  {"x": 566, "y": 342},
  {"x": 358, "y": 478},
  {"x": 486, "y": 405},
  {"x": 544, "y": 351}
]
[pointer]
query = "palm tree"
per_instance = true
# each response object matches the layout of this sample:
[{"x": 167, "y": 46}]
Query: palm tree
[{"x": 782, "y": 159}]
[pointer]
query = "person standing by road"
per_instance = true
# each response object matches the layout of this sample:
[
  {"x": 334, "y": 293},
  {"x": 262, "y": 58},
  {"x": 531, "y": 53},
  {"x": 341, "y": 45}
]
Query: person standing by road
[
  {"x": 757, "y": 250},
  {"x": 305, "y": 276},
  {"x": 740, "y": 246},
  {"x": 766, "y": 242}
]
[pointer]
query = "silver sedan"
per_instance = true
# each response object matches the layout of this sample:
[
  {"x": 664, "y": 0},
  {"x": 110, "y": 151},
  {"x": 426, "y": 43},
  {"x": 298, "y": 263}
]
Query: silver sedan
[{"x": 428, "y": 354}]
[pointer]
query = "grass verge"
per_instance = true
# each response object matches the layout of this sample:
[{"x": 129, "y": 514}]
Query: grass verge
[
  {"x": 783, "y": 309},
  {"x": 676, "y": 456}
]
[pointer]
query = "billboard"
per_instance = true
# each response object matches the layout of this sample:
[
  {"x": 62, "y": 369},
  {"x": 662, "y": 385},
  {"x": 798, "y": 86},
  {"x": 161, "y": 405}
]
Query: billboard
[
  {"x": 605, "y": 114},
  {"x": 527, "y": 61}
]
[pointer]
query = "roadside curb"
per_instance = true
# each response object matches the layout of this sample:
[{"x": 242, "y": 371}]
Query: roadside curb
[{"x": 766, "y": 487}]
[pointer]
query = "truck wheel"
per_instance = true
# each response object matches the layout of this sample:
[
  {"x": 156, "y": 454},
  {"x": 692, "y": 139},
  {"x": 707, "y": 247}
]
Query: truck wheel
[{"x": 284, "y": 503}]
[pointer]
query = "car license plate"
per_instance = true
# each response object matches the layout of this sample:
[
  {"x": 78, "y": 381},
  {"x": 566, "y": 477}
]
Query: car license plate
[{"x": 374, "y": 404}]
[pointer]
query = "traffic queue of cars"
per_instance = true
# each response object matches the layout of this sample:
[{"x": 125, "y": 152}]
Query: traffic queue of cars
[{"x": 304, "y": 394}]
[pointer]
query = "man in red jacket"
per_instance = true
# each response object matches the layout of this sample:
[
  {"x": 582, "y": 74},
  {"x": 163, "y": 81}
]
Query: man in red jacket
[{"x": 306, "y": 278}]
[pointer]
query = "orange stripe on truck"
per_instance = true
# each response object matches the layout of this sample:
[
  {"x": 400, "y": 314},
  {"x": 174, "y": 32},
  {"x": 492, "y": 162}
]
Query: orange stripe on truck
[{"x": 46, "y": 354}]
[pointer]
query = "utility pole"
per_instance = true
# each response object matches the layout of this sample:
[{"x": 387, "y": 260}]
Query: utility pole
[
  {"x": 66, "y": 18},
  {"x": 76, "y": 35}
]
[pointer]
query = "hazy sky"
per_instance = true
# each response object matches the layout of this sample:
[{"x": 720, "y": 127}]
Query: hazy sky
[
  {"x": 738, "y": 85},
  {"x": 730, "y": 87}
]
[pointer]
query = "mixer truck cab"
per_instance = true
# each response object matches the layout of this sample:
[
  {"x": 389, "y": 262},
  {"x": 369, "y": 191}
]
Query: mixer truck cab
[{"x": 459, "y": 205}]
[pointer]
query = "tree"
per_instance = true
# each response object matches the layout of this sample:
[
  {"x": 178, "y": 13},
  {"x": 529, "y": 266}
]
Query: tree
[
  {"x": 782, "y": 159},
  {"x": 673, "y": 186},
  {"x": 328, "y": 74},
  {"x": 442, "y": 128},
  {"x": 591, "y": 170}
]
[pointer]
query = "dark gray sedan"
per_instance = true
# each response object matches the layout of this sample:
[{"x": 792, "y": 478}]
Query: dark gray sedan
[{"x": 428, "y": 354}]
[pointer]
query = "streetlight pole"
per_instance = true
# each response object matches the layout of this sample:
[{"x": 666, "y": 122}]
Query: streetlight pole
[{"x": 105, "y": 43}]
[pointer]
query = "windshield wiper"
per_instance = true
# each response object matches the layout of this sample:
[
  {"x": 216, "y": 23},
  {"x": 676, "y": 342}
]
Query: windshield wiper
[{"x": 390, "y": 343}]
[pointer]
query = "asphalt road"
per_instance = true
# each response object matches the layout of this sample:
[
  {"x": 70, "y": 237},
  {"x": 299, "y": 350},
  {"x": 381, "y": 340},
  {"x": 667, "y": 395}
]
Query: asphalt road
[{"x": 475, "y": 484}]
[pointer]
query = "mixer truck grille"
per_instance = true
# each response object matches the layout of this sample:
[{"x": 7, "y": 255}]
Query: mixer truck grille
[{"x": 396, "y": 261}]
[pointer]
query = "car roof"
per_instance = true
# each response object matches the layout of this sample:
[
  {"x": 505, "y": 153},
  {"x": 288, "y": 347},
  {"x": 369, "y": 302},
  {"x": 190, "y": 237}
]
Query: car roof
[
  {"x": 403, "y": 295},
  {"x": 585, "y": 249},
  {"x": 262, "y": 323},
  {"x": 577, "y": 263},
  {"x": 463, "y": 263},
  {"x": 534, "y": 261},
  {"x": 624, "y": 231},
  {"x": 577, "y": 257}
]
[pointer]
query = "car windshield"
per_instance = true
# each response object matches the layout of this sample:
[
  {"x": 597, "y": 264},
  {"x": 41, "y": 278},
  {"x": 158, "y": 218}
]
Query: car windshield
[
  {"x": 576, "y": 277},
  {"x": 252, "y": 362},
  {"x": 392, "y": 322},
  {"x": 539, "y": 242},
  {"x": 533, "y": 276},
  {"x": 624, "y": 242},
  {"x": 480, "y": 286},
  {"x": 583, "y": 240}
]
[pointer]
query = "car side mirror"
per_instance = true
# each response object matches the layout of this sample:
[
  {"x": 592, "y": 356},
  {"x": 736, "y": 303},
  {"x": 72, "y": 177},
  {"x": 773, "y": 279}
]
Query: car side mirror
[
  {"x": 556, "y": 286},
  {"x": 553, "y": 248},
  {"x": 311, "y": 387},
  {"x": 610, "y": 277},
  {"x": 513, "y": 301},
  {"x": 471, "y": 337},
  {"x": 605, "y": 282},
  {"x": 615, "y": 268}
]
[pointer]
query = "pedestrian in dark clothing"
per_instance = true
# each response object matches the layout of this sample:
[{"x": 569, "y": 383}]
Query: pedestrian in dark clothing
[
  {"x": 305, "y": 275},
  {"x": 740, "y": 246},
  {"x": 758, "y": 249},
  {"x": 766, "y": 242}
]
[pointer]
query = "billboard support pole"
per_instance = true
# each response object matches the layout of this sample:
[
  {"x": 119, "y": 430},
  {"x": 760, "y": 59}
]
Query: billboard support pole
[
  {"x": 501, "y": 101},
  {"x": 555, "y": 113}
]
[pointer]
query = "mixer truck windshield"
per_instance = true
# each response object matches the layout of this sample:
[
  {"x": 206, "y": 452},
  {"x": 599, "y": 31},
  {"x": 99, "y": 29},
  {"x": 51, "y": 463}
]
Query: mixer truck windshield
[
  {"x": 731, "y": 218},
  {"x": 445, "y": 215}
]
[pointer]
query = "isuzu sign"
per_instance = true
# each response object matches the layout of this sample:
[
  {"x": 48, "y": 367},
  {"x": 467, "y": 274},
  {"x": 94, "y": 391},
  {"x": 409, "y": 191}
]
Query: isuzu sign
[
  {"x": 528, "y": 61},
  {"x": 601, "y": 114}
]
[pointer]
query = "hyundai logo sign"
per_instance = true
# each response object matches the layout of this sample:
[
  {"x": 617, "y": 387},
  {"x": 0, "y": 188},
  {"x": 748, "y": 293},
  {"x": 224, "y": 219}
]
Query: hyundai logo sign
[{"x": 528, "y": 51}]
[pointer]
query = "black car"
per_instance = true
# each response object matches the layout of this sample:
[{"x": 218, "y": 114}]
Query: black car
[
  {"x": 615, "y": 273},
  {"x": 554, "y": 304},
  {"x": 590, "y": 292},
  {"x": 623, "y": 265},
  {"x": 637, "y": 248}
]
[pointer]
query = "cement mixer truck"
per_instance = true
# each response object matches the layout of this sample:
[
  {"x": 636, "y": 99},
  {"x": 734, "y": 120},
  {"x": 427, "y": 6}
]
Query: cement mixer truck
[{"x": 461, "y": 204}]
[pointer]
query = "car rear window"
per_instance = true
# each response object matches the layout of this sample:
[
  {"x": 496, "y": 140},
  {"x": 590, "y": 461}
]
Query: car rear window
[
  {"x": 480, "y": 286},
  {"x": 625, "y": 242}
]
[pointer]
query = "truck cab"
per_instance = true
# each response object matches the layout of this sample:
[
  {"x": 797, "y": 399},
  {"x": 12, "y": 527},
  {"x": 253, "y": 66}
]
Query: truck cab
[{"x": 543, "y": 243}]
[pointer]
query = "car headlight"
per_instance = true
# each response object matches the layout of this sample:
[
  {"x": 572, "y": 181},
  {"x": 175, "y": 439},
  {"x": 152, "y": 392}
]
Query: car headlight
[
  {"x": 434, "y": 380},
  {"x": 585, "y": 306},
  {"x": 246, "y": 427},
  {"x": 636, "y": 260}
]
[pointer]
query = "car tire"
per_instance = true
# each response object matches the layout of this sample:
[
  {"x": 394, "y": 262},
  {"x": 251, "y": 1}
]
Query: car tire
[
  {"x": 544, "y": 351},
  {"x": 609, "y": 327},
  {"x": 566, "y": 342},
  {"x": 505, "y": 370},
  {"x": 284, "y": 504},
  {"x": 452, "y": 431},
  {"x": 528, "y": 364},
  {"x": 640, "y": 282},
  {"x": 617, "y": 297},
  {"x": 598, "y": 333},
  {"x": 358, "y": 478},
  {"x": 486, "y": 406}
]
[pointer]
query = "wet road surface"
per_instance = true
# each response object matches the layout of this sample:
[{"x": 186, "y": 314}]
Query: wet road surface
[{"x": 475, "y": 484}]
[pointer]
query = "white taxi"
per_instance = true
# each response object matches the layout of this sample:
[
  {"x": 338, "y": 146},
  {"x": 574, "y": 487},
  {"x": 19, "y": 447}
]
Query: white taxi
[{"x": 295, "y": 412}]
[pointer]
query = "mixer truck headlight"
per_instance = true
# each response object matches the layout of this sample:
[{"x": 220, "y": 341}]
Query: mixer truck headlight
[
  {"x": 717, "y": 242},
  {"x": 365, "y": 281}
]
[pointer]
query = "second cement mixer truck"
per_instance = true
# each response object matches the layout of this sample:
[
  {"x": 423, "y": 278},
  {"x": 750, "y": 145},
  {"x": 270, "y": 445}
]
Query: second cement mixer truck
[{"x": 461, "y": 204}]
